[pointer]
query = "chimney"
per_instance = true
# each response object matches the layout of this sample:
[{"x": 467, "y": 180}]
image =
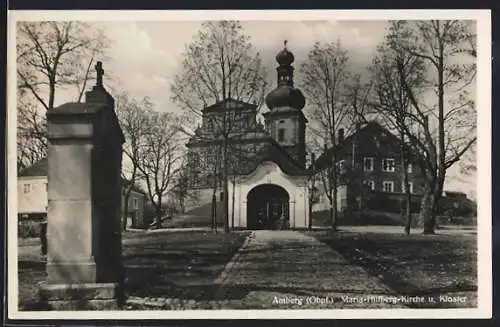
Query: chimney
[{"x": 340, "y": 137}]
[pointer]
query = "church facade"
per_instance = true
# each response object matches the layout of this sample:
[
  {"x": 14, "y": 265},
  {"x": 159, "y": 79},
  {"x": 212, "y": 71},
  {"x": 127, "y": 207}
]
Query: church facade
[{"x": 265, "y": 163}]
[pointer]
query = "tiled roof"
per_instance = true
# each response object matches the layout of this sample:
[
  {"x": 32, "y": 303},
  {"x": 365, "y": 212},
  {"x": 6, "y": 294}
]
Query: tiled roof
[
  {"x": 38, "y": 169},
  {"x": 229, "y": 104}
]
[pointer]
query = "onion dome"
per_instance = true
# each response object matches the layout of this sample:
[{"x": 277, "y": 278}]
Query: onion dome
[
  {"x": 285, "y": 95},
  {"x": 285, "y": 57}
]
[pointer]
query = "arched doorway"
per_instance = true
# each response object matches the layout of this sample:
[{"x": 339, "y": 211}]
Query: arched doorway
[{"x": 265, "y": 205}]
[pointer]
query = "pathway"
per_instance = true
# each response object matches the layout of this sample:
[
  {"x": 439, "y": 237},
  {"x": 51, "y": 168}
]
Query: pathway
[{"x": 287, "y": 269}]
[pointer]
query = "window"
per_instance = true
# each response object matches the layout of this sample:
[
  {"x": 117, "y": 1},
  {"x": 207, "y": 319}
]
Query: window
[
  {"x": 370, "y": 184},
  {"x": 135, "y": 203},
  {"x": 388, "y": 165},
  {"x": 388, "y": 187},
  {"x": 27, "y": 188},
  {"x": 403, "y": 188},
  {"x": 221, "y": 196},
  {"x": 282, "y": 121},
  {"x": 281, "y": 134},
  {"x": 47, "y": 187},
  {"x": 368, "y": 164},
  {"x": 409, "y": 168}
]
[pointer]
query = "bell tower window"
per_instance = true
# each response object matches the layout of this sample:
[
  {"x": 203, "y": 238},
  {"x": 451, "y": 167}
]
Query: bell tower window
[{"x": 281, "y": 135}]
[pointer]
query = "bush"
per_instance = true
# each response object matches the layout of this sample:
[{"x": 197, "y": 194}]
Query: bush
[{"x": 28, "y": 229}]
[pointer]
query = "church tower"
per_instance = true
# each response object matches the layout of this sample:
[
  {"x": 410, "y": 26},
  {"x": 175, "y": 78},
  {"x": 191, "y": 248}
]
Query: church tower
[{"x": 285, "y": 121}]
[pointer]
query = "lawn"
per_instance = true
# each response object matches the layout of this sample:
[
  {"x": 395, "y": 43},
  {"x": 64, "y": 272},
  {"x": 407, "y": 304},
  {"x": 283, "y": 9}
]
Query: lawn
[
  {"x": 414, "y": 265},
  {"x": 177, "y": 264},
  {"x": 369, "y": 217},
  {"x": 181, "y": 264}
]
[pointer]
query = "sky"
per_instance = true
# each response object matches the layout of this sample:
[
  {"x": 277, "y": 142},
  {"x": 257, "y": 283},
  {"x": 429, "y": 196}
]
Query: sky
[{"x": 144, "y": 56}]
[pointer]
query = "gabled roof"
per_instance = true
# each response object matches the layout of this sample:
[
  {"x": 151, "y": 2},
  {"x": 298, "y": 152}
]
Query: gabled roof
[
  {"x": 229, "y": 104},
  {"x": 372, "y": 128},
  {"x": 277, "y": 154},
  {"x": 39, "y": 168}
]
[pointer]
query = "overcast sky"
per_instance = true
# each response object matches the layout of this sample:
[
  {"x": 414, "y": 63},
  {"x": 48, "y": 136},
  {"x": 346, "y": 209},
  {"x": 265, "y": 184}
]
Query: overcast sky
[{"x": 143, "y": 57}]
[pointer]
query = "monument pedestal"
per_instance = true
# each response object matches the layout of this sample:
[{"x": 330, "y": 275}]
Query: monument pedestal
[
  {"x": 84, "y": 268},
  {"x": 91, "y": 296}
]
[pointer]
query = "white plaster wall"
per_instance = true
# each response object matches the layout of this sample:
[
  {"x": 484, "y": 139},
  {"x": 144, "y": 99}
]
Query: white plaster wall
[
  {"x": 324, "y": 203},
  {"x": 34, "y": 200},
  {"x": 271, "y": 173}
]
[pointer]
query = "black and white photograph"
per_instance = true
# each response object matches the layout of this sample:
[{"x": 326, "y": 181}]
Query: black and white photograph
[{"x": 249, "y": 164}]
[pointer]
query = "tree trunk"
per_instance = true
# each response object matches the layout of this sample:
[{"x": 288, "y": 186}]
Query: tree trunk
[
  {"x": 225, "y": 178},
  {"x": 214, "y": 210},
  {"x": 126, "y": 196},
  {"x": 427, "y": 212},
  {"x": 232, "y": 203},
  {"x": 406, "y": 214},
  {"x": 441, "y": 174},
  {"x": 334, "y": 214},
  {"x": 407, "y": 208},
  {"x": 52, "y": 92},
  {"x": 158, "y": 213}
]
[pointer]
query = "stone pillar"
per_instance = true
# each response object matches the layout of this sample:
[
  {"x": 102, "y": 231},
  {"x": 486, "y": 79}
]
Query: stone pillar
[{"x": 84, "y": 268}]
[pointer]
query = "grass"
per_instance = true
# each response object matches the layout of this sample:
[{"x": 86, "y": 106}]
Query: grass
[
  {"x": 322, "y": 218},
  {"x": 180, "y": 264},
  {"x": 414, "y": 265},
  {"x": 177, "y": 264},
  {"x": 197, "y": 217}
]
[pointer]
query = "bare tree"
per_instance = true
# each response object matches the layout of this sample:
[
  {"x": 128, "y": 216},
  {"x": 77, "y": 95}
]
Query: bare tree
[
  {"x": 219, "y": 65},
  {"x": 134, "y": 117},
  {"x": 160, "y": 158},
  {"x": 323, "y": 79},
  {"x": 52, "y": 54},
  {"x": 446, "y": 114},
  {"x": 394, "y": 73},
  {"x": 31, "y": 134}
]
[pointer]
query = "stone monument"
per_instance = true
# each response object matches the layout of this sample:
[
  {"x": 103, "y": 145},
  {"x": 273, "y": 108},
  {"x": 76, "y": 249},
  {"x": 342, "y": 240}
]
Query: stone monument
[{"x": 84, "y": 267}]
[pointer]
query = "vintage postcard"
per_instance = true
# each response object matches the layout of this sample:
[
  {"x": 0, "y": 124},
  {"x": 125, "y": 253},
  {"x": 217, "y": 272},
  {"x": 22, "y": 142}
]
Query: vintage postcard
[{"x": 249, "y": 164}]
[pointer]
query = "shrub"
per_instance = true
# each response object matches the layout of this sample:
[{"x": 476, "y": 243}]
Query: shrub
[{"x": 28, "y": 229}]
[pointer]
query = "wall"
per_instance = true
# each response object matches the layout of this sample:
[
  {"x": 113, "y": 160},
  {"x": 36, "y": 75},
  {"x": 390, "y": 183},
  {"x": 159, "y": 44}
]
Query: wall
[
  {"x": 34, "y": 201},
  {"x": 324, "y": 203},
  {"x": 270, "y": 173}
]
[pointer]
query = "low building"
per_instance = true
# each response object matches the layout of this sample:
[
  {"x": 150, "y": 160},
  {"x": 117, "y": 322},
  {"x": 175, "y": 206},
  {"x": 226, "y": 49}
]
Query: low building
[
  {"x": 136, "y": 205},
  {"x": 370, "y": 174},
  {"x": 32, "y": 196}
]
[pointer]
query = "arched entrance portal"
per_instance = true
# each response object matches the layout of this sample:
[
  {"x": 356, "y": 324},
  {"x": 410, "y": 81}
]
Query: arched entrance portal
[{"x": 266, "y": 204}]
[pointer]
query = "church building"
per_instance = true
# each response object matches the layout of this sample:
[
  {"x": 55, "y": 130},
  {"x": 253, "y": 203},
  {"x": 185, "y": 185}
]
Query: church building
[{"x": 266, "y": 163}]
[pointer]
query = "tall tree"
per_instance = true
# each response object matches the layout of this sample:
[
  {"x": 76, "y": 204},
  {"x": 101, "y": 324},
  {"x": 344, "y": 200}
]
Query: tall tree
[
  {"x": 31, "y": 133},
  {"x": 446, "y": 113},
  {"x": 394, "y": 73},
  {"x": 220, "y": 64},
  {"x": 160, "y": 158},
  {"x": 134, "y": 119},
  {"x": 323, "y": 78},
  {"x": 52, "y": 54}
]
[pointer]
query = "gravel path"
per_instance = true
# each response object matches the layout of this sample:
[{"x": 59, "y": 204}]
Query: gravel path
[{"x": 287, "y": 269}]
